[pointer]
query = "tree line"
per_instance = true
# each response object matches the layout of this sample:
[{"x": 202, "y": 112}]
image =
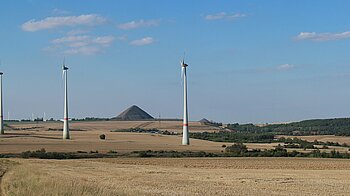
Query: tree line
[{"x": 337, "y": 126}]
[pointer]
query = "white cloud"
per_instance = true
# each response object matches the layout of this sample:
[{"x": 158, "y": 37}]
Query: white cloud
[
  {"x": 143, "y": 41},
  {"x": 77, "y": 32},
  {"x": 285, "y": 67},
  {"x": 86, "y": 50},
  {"x": 81, "y": 44},
  {"x": 223, "y": 15},
  {"x": 71, "y": 38},
  {"x": 57, "y": 11},
  {"x": 273, "y": 69},
  {"x": 54, "y": 22},
  {"x": 78, "y": 44},
  {"x": 313, "y": 36},
  {"x": 138, "y": 24},
  {"x": 104, "y": 40},
  {"x": 123, "y": 38},
  {"x": 216, "y": 16}
]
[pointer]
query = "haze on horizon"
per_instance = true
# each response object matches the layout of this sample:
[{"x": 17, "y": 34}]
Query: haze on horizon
[{"x": 249, "y": 61}]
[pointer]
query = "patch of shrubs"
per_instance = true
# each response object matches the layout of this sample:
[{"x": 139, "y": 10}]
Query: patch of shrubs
[
  {"x": 42, "y": 154},
  {"x": 240, "y": 150},
  {"x": 172, "y": 153},
  {"x": 237, "y": 148},
  {"x": 291, "y": 143},
  {"x": 228, "y": 136},
  {"x": 140, "y": 130},
  {"x": 6, "y": 156}
]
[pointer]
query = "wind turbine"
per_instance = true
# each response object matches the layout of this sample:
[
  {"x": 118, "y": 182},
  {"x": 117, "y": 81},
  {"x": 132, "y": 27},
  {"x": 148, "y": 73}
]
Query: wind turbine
[
  {"x": 185, "y": 138},
  {"x": 1, "y": 108},
  {"x": 65, "y": 115}
]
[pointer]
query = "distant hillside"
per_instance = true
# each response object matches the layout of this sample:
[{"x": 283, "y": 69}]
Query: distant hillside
[{"x": 337, "y": 126}]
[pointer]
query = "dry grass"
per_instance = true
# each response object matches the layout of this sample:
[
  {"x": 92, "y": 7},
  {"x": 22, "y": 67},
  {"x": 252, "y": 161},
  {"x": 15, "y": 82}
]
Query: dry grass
[
  {"x": 88, "y": 139},
  {"x": 27, "y": 179},
  {"x": 191, "y": 176},
  {"x": 113, "y": 125},
  {"x": 159, "y": 176}
]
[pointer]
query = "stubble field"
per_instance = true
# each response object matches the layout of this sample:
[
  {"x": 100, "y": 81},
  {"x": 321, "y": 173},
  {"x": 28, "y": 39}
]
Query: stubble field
[
  {"x": 85, "y": 137},
  {"x": 156, "y": 176},
  {"x": 31, "y": 136},
  {"x": 179, "y": 176}
]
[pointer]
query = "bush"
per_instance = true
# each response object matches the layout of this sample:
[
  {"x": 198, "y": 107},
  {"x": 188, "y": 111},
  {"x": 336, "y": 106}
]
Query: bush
[
  {"x": 241, "y": 137},
  {"x": 103, "y": 137},
  {"x": 237, "y": 148},
  {"x": 42, "y": 154}
]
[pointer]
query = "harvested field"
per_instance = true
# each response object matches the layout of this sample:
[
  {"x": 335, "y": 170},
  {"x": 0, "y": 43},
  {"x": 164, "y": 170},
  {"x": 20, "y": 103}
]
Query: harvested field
[
  {"x": 89, "y": 141},
  {"x": 157, "y": 176},
  {"x": 85, "y": 137},
  {"x": 114, "y": 125},
  {"x": 179, "y": 176},
  {"x": 34, "y": 136}
]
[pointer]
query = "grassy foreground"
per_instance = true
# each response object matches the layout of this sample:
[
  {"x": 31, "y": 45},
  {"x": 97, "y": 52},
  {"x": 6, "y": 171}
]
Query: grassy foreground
[
  {"x": 28, "y": 179},
  {"x": 178, "y": 176}
]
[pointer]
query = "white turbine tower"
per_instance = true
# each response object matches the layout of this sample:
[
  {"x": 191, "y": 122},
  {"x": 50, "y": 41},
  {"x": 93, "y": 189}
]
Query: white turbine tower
[
  {"x": 1, "y": 108},
  {"x": 65, "y": 115},
  {"x": 185, "y": 138}
]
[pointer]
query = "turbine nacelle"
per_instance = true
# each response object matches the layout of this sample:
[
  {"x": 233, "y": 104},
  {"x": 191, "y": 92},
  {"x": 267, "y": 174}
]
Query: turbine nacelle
[
  {"x": 183, "y": 64},
  {"x": 64, "y": 67}
]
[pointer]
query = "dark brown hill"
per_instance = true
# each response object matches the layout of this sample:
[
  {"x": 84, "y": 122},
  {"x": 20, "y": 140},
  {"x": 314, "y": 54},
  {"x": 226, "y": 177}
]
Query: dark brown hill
[{"x": 134, "y": 113}]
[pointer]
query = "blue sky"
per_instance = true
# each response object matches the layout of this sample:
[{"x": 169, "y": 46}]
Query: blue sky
[{"x": 249, "y": 61}]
